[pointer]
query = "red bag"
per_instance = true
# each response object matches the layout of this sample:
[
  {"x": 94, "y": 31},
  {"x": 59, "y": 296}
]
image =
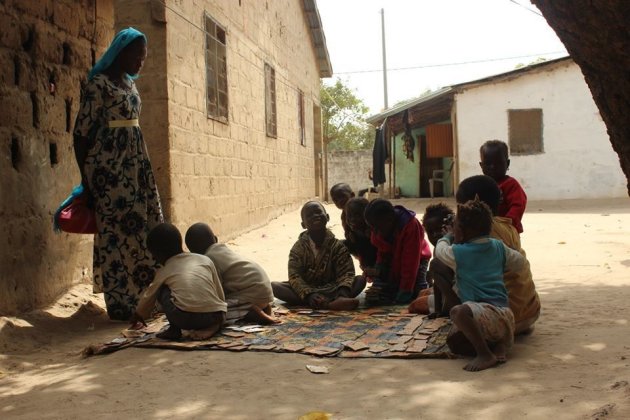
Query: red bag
[{"x": 78, "y": 217}]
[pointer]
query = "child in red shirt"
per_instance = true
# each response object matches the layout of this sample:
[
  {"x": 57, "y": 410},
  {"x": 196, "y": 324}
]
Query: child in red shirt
[
  {"x": 402, "y": 253},
  {"x": 495, "y": 163}
]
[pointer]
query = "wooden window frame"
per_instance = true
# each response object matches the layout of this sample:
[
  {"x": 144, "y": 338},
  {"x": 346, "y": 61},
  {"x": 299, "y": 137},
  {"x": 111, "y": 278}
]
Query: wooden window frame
[
  {"x": 525, "y": 138},
  {"x": 271, "y": 115},
  {"x": 217, "y": 98},
  {"x": 301, "y": 120}
]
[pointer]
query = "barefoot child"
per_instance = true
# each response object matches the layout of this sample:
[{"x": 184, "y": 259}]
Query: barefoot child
[
  {"x": 524, "y": 300},
  {"x": 402, "y": 254},
  {"x": 246, "y": 285},
  {"x": 494, "y": 163},
  {"x": 484, "y": 317},
  {"x": 187, "y": 287},
  {"x": 321, "y": 271}
]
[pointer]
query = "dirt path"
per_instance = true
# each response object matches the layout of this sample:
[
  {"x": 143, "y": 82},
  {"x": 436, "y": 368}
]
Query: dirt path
[{"x": 575, "y": 365}]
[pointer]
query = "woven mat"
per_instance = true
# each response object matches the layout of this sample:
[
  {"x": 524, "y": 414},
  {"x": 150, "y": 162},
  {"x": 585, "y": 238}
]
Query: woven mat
[{"x": 375, "y": 332}]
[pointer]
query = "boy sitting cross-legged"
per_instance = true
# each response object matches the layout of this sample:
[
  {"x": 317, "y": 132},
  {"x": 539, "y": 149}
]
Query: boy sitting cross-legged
[
  {"x": 187, "y": 287},
  {"x": 484, "y": 316},
  {"x": 245, "y": 283},
  {"x": 321, "y": 271}
]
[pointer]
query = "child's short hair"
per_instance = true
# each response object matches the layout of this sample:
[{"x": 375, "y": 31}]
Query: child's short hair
[
  {"x": 440, "y": 211},
  {"x": 199, "y": 237},
  {"x": 481, "y": 186},
  {"x": 357, "y": 205},
  {"x": 309, "y": 203},
  {"x": 340, "y": 187},
  {"x": 378, "y": 210},
  {"x": 502, "y": 146},
  {"x": 165, "y": 238},
  {"x": 475, "y": 218}
]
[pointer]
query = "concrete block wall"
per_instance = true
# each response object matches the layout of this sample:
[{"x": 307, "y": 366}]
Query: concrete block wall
[
  {"x": 350, "y": 167},
  {"x": 46, "y": 49},
  {"x": 147, "y": 16},
  {"x": 232, "y": 175}
]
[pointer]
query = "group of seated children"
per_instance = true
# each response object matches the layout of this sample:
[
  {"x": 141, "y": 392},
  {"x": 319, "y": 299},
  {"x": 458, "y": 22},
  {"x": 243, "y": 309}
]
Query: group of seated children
[
  {"x": 387, "y": 240},
  {"x": 479, "y": 275},
  {"x": 487, "y": 290},
  {"x": 202, "y": 289}
]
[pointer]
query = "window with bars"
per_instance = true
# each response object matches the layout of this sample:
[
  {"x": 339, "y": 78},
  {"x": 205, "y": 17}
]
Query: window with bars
[
  {"x": 301, "y": 122},
  {"x": 525, "y": 131},
  {"x": 216, "y": 71},
  {"x": 271, "y": 121}
]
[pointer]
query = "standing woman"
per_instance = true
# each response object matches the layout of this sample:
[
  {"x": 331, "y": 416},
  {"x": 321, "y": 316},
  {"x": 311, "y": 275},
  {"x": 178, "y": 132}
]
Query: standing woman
[{"x": 116, "y": 172}]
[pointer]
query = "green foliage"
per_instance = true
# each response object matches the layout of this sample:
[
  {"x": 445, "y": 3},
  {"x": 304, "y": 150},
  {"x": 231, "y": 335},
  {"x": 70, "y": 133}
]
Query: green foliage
[{"x": 343, "y": 119}]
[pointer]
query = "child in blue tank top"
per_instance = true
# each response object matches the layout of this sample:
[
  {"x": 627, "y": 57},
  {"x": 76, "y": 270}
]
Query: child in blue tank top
[{"x": 479, "y": 261}]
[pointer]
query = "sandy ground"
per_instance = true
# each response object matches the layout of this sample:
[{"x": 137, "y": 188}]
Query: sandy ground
[{"x": 575, "y": 365}]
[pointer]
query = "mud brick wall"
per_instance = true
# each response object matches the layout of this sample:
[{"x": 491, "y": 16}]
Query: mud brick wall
[{"x": 46, "y": 49}]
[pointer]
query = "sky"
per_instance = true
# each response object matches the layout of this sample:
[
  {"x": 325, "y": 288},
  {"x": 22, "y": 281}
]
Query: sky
[{"x": 432, "y": 34}]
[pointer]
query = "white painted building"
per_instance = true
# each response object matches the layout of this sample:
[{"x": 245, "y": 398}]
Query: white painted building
[
  {"x": 559, "y": 146},
  {"x": 573, "y": 157}
]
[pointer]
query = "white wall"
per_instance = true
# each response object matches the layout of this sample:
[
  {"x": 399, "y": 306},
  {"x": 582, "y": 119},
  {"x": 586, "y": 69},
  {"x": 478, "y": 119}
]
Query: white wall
[{"x": 578, "y": 159}]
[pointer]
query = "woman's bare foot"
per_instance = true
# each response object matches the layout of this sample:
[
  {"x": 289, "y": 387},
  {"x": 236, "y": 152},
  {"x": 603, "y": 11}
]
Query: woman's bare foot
[
  {"x": 173, "y": 333},
  {"x": 204, "y": 334},
  {"x": 343, "y": 304},
  {"x": 481, "y": 363}
]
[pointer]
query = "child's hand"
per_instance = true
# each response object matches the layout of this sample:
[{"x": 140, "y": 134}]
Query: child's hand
[{"x": 136, "y": 321}]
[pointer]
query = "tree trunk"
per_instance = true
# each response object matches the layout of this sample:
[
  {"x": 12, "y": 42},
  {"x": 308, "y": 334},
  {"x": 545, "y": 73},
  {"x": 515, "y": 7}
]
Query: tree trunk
[{"x": 597, "y": 36}]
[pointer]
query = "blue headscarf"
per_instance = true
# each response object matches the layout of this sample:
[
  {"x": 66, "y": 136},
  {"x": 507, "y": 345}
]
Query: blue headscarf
[{"x": 121, "y": 40}]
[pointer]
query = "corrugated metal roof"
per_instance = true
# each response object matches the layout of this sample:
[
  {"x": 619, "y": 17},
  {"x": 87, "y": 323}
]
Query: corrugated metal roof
[
  {"x": 318, "y": 38},
  {"x": 438, "y": 94}
]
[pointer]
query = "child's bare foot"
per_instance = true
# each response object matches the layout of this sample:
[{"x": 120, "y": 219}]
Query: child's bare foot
[
  {"x": 500, "y": 351},
  {"x": 481, "y": 363},
  {"x": 204, "y": 334},
  {"x": 343, "y": 304},
  {"x": 259, "y": 316},
  {"x": 419, "y": 306},
  {"x": 173, "y": 333}
]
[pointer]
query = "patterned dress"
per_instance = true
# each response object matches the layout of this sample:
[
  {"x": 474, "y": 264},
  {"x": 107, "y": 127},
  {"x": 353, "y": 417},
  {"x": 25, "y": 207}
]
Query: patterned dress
[{"x": 123, "y": 187}]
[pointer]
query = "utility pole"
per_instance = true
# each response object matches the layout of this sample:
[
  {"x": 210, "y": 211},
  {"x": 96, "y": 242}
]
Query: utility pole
[{"x": 384, "y": 59}]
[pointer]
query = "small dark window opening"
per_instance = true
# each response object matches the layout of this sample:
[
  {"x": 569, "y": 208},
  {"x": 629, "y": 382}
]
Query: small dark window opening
[
  {"x": 67, "y": 54},
  {"x": 301, "y": 122},
  {"x": 30, "y": 39},
  {"x": 68, "y": 115},
  {"x": 525, "y": 131},
  {"x": 54, "y": 159},
  {"x": 216, "y": 71},
  {"x": 15, "y": 153},
  {"x": 35, "y": 106},
  {"x": 16, "y": 70}
]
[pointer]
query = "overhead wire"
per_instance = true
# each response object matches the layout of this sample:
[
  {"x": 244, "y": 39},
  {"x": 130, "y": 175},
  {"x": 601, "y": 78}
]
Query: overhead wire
[
  {"x": 460, "y": 63},
  {"x": 526, "y": 8}
]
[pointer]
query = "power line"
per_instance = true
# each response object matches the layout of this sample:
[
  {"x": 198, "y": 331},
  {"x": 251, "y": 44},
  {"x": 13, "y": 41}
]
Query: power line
[
  {"x": 461, "y": 63},
  {"x": 526, "y": 8}
]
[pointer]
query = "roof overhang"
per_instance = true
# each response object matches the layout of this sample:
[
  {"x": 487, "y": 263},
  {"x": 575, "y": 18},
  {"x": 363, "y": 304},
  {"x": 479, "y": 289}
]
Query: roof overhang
[
  {"x": 318, "y": 38},
  {"x": 428, "y": 109}
]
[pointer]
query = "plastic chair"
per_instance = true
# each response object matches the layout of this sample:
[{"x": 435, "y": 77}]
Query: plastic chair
[{"x": 440, "y": 175}]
